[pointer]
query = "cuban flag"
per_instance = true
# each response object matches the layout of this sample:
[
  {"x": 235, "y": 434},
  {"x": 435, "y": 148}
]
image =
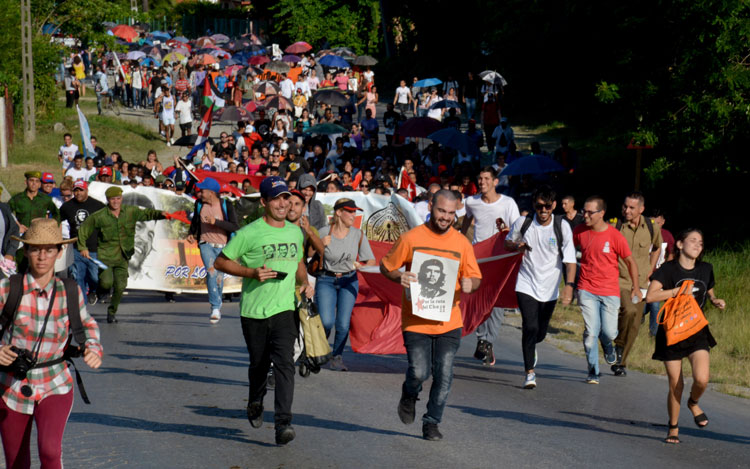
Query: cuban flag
[
  {"x": 88, "y": 148},
  {"x": 204, "y": 129}
]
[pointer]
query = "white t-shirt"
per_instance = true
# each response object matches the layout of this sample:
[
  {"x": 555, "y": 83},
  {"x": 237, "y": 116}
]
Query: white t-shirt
[
  {"x": 423, "y": 210},
  {"x": 369, "y": 75},
  {"x": 402, "y": 94},
  {"x": 485, "y": 214},
  {"x": 89, "y": 173},
  {"x": 436, "y": 114},
  {"x": 287, "y": 88},
  {"x": 185, "y": 110},
  {"x": 167, "y": 109},
  {"x": 77, "y": 174},
  {"x": 68, "y": 153},
  {"x": 541, "y": 268}
]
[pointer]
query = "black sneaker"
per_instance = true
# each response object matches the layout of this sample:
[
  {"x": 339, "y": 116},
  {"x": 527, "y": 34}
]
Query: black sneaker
[
  {"x": 619, "y": 370},
  {"x": 406, "y": 408},
  {"x": 111, "y": 318},
  {"x": 481, "y": 352},
  {"x": 169, "y": 297},
  {"x": 489, "y": 359},
  {"x": 92, "y": 299},
  {"x": 618, "y": 351},
  {"x": 284, "y": 434},
  {"x": 430, "y": 432},
  {"x": 255, "y": 415}
]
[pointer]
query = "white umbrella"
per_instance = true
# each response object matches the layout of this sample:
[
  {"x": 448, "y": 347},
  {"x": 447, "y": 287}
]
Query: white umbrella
[{"x": 492, "y": 76}]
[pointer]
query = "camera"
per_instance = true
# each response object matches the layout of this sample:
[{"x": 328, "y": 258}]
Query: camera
[{"x": 22, "y": 364}]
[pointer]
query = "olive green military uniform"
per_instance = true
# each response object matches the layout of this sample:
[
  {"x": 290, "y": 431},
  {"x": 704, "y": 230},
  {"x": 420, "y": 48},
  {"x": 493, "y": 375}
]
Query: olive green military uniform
[{"x": 26, "y": 209}]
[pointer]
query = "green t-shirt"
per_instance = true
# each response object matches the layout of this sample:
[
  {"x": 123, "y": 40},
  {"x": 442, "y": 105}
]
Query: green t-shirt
[{"x": 279, "y": 249}]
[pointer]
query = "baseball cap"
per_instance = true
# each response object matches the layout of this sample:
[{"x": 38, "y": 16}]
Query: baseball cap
[
  {"x": 347, "y": 205},
  {"x": 80, "y": 185},
  {"x": 105, "y": 171},
  {"x": 284, "y": 146},
  {"x": 272, "y": 187},
  {"x": 298, "y": 194},
  {"x": 48, "y": 177},
  {"x": 209, "y": 184}
]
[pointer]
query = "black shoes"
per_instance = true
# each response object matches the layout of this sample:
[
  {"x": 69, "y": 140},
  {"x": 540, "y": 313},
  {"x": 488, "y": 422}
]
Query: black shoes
[
  {"x": 619, "y": 370},
  {"x": 406, "y": 408},
  {"x": 284, "y": 434},
  {"x": 92, "y": 298},
  {"x": 481, "y": 352},
  {"x": 255, "y": 416},
  {"x": 489, "y": 358},
  {"x": 430, "y": 432},
  {"x": 111, "y": 318}
]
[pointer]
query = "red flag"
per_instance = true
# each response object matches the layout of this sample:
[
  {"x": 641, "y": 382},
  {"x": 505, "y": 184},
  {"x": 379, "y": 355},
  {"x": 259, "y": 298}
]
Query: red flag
[
  {"x": 406, "y": 183},
  {"x": 179, "y": 215}
]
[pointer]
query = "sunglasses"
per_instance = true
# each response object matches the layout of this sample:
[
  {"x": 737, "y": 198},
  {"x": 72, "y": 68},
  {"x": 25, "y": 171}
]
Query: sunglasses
[
  {"x": 168, "y": 186},
  {"x": 543, "y": 206},
  {"x": 590, "y": 213}
]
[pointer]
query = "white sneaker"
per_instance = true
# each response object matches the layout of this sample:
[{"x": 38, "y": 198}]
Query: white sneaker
[
  {"x": 337, "y": 364},
  {"x": 215, "y": 316},
  {"x": 530, "y": 382},
  {"x": 169, "y": 144},
  {"x": 173, "y": 140}
]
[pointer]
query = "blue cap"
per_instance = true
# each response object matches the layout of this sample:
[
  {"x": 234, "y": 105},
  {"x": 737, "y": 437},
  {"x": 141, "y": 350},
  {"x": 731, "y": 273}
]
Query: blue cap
[
  {"x": 210, "y": 184},
  {"x": 272, "y": 187}
]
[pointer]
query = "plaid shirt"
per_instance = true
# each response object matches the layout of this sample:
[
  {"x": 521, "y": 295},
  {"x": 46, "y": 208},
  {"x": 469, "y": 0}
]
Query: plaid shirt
[{"x": 25, "y": 332}]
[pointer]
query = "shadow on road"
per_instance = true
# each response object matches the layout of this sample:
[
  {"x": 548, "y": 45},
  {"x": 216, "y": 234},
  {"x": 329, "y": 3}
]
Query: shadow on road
[
  {"x": 175, "y": 375},
  {"x": 303, "y": 420},
  {"x": 185, "y": 357},
  {"x": 221, "y": 433},
  {"x": 172, "y": 345}
]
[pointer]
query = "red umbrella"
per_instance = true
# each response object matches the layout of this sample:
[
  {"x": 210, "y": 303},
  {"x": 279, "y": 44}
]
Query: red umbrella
[
  {"x": 204, "y": 42},
  {"x": 298, "y": 48},
  {"x": 419, "y": 127},
  {"x": 253, "y": 106},
  {"x": 206, "y": 59},
  {"x": 124, "y": 31},
  {"x": 259, "y": 60}
]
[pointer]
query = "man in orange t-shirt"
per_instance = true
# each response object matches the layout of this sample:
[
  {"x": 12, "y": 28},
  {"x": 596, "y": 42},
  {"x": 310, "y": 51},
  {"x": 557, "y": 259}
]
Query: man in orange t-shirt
[{"x": 431, "y": 345}]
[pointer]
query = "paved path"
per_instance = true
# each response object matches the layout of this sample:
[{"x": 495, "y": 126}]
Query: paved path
[{"x": 173, "y": 390}]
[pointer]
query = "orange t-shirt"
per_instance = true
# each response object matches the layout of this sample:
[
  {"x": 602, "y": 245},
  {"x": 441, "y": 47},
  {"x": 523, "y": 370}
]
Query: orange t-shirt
[
  {"x": 294, "y": 73},
  {"x": 452, "y": 245}
]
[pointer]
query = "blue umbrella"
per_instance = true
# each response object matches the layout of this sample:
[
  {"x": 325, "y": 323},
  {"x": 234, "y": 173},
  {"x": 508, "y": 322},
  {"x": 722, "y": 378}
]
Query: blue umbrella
[
  {"x": 334, "y": 61},
  {"x": 149, "y": 61},
  {"x": 532, "y": 164},
  {"x": 452, "y": 138},
  {"x": 427, "y": 82},
  {"x": 446, "y": 103},
  {"x": 161, "y": 35},
  {"x": 182, "y": 39},
  {"x": 227, "y": 62}
]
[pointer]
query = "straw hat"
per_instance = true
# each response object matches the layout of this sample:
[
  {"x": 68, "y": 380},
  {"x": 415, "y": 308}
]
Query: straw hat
[{"x": 44, "y": 231}]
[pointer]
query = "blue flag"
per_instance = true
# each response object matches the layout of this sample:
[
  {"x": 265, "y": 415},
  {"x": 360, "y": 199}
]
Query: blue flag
[
  {"x": 88, "y": 148},
  {"x": 198, "y": 147}
]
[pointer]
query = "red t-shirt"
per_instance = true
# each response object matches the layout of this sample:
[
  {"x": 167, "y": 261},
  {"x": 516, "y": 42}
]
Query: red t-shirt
[
  {"x": 181, "y": 85},
  {"x": 599, "y": 253}
]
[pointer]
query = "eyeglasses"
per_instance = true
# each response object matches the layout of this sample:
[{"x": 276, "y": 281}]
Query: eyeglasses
[
  {"x": 37, "y": 251},
  {"x": 169, "y": 186},
  {"x": 590, "y": 213},
  {"x": 364, "y": 186},
  {"x": 543, "y": 206}
]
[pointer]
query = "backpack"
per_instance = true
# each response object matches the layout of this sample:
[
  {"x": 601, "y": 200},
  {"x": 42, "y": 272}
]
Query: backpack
[
  {"x": 199, "y": 205},
  {"x": 649, "y": 225},
  {"x": 74, "y": 318},
  {"x": 556, "y": 225},
  {"x": 681, "y": 316}
]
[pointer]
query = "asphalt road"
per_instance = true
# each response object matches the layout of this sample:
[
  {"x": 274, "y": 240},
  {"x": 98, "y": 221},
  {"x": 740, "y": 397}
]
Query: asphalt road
[{"x": 172, "y": 393}]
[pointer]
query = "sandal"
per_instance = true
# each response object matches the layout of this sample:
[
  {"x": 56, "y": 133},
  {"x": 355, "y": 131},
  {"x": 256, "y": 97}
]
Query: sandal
[
  {"x": 701, "y": 420},
  {"x": 672, "y": 439}
]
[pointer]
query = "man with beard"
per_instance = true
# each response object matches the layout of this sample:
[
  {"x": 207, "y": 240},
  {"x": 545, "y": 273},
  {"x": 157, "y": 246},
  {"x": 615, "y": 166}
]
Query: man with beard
[
  {"x": 431, "y": 278},
  {"x": 116, "y": 225},
  {"x": 431, "y": 345}
]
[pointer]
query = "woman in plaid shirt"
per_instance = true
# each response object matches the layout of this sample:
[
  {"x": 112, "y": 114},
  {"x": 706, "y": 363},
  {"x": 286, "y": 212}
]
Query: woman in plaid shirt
[{"x": 45, "y": 394}]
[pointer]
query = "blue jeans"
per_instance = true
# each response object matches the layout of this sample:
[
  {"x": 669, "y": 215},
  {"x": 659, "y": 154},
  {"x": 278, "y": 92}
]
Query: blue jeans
[
  {"x": 85, "y": 272},
  {"x": 335, "y": 298},
  {"x": 214, "y": 278},
  {"x": 431, "y": 354},
  {"x": 137, "y": 96},
  {"x": 471, "y": 107},
  {"x": 600, "y": 318},
  {"x": 653, "y": 309}
]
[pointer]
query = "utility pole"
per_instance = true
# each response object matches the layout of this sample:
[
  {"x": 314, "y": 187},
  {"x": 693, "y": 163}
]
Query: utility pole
[
  {"x": 27, "y": 70},
  {"x": 145, "y": 6}
]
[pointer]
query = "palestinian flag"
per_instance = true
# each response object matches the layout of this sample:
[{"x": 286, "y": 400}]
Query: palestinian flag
[{"x": 211, "y": 94}]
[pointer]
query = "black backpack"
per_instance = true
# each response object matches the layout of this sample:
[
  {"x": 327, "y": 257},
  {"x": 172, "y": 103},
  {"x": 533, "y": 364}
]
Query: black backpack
[
  {"x": 649, "y": 225},
  {"x": 557, "y": 226},
  {"x": 74, "y": 318}
]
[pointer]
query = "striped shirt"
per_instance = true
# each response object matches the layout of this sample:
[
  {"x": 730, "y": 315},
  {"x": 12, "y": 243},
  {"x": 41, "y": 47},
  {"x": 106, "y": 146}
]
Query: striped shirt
[{"x": 24, "y": 333}]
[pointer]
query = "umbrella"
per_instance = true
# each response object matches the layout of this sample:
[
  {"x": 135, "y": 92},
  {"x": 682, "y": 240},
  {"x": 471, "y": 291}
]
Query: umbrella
[
  {"x": 492, "y": 76},
  {"x": 186, "y": 141},
  {"x": 291, "y": 58},
  {"x": 150, "y": 61},
  {"x": 446, "y": 104},
  {"x": 220, "y": 53},
  {"x": 231, "y": 69},
  {"x": 532, "y": 164},
  {"x": 278, "y": 67},
  {"x": 219, "y": 38},
  {"x": 202, "y": 41},
  {"x": 452, "y": 138},
  {"x": 174, "y": 43},
  {"x": 365, "y": 61},
  {"x": 238, "y": 45},
  {"x": 259, "y": 60},
  {"x": 174, "y": 57},
  {"x": 207, "y": 59},
  {"x": 125, "y": 32},
  {"x": 344, "y": 52},
  {"x": 255, "y": 49},
  {"x": 419, "y": 127},
  {"x": 298, "y": 48},
  {"x": 231, "y": 113},
  {"x": 267, "y": 87},
  {"x": 161, "y": 35},
  {"x": 334, "y": 61},
  {"x": 427, "y": 82},
  {"x": 326, "y": 129},
  {"x": 134, "y": 55},
  {"x": 228, "y": 62},
  {"x": 278, "y": 102},
  {"x": 253, "y": 106},
  {"x": 182, "y": 39},
  {"x": 334, "y": 97}
]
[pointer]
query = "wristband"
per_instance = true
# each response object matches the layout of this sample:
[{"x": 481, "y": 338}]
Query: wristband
[{"x": 570, "y": 284}]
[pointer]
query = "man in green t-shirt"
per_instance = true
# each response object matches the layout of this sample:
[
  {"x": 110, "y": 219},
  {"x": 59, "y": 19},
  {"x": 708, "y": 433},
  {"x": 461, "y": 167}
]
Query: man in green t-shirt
[{"x": 268, "y": 255}]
